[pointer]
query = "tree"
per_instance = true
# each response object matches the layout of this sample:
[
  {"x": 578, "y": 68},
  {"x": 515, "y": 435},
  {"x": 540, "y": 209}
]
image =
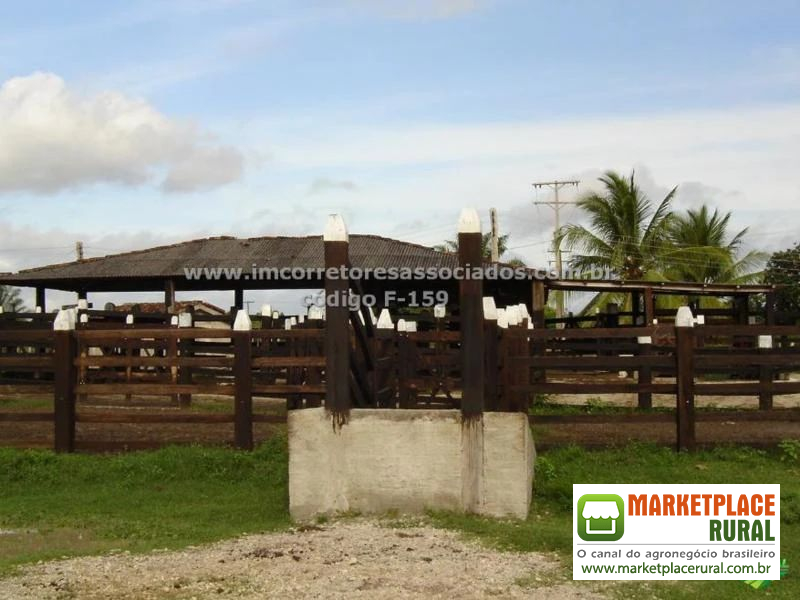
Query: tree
[
  {"x": 486, "y": 248},
  {"x": 783, "y": 268},
  {"x": 701, "y": 250},
  {"x": 10, "y": 300},
  {"x": 625, "y": 234}
]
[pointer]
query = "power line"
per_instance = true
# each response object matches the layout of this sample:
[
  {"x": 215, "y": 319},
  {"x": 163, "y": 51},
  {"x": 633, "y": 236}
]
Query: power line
[{"x": 556, "y": 204}]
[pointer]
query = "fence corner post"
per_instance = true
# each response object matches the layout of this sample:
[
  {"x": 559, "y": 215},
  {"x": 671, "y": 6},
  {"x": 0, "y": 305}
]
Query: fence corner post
[
  {"x": 684, "y": 357},
  {"x": 337, "y": 330},
  {"x": 470, "y": 257},
  {"x": 243, "y": 381},
  {"x": 64, "y": 380}
]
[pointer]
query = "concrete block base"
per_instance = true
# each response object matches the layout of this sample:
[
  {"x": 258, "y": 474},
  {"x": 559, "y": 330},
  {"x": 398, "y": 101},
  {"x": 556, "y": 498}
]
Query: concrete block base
[{"x": 409, "y": 461}]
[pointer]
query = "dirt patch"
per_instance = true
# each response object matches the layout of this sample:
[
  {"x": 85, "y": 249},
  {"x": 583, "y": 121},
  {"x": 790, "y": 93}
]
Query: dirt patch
[{"x": 351, "y": 559}]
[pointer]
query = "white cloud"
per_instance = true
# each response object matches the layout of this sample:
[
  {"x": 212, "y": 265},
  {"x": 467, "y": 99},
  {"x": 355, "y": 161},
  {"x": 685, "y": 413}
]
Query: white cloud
[{"x": 52, "y": 138}]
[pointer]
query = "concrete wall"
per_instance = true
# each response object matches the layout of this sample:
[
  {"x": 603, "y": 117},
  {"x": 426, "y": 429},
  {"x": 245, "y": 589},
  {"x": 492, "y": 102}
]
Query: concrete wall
[{"x": 409, "y": 460}]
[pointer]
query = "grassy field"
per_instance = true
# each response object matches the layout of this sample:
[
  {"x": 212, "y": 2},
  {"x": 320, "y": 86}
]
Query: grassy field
[{"x": 65, "y": 505}]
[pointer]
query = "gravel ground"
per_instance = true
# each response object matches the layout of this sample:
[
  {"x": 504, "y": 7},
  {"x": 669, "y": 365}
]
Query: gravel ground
[{"x": 350, "y": 559}]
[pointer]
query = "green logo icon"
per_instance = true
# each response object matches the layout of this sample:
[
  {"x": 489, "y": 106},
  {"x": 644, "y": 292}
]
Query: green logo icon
[{"x": 601, "y": 517}]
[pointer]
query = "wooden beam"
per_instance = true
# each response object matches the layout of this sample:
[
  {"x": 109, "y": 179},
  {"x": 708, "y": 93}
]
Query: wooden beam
[
  {"x": 64, "y": 397},
  {"x": 337, "y": 330},
  {"x": 243, "y": 395},
  {"x": 470, "y": 255},
  {"x": 684, "y": 354},
  {"x": 169, "y": 296},
  {"x": 41, "y": 298}
]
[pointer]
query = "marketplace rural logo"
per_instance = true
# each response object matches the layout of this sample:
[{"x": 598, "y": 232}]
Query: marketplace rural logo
[{"x": 601, "y": 517}]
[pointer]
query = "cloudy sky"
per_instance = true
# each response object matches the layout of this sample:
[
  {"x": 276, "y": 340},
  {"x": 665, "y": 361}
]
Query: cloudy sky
[{"x": 127, "y": 124}]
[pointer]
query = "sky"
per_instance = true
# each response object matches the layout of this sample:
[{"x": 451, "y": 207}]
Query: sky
[{"x": 131, "y": 124}]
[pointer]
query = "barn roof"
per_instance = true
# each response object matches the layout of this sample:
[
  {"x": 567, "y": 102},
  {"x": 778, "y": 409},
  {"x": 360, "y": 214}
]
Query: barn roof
[{"x": 148, "y": 269}]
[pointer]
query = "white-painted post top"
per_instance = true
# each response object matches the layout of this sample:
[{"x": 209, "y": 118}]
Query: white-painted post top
[
  {"x": 401, "y": 325},
  {"x": 242, "y": 321},
  {"x": 1, "y": 310},
  {"x": 129, "y": 320},
  {"x": 765, "y": 342},
  {"x": 63, "y": 321},
  {"x": 83, "y": 304},
  {"x": 287, "y": 325},
  {"x": 266, "y": 310},
  {"x": 185, "y": 319},
  {"x": 439, "y": 311},
  {"x": 644, "y": 339},
  {"x": 276, "y": 314},
  {"x": 385, "y": 320},
  {"x": 314, "y": 312},
  {"x": 512, "y": 315},
  {"x": 372, "y": 316},
  {"x": 38, "y": 310},
  {"x": 85, "y": 318},
  {"x": 411, "y": 326},
  {"x": 173, "y": 320},
  {"x": 700, "y": 320},
  {"x": 335, "y": 230},
  {"x": 469, "y": 221},
  {"x": 489, "y": 308},
  {"x": 502, "y": 318},
  {"x": 684, "y": 317},
  {"x": 301, "y": 318}
]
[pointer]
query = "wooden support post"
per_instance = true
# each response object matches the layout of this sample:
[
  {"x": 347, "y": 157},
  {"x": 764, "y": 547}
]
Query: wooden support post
[
  {"x": 41, "y": 298},
  {"x": 238, "y": 298},
  {"x": 636, "y": 307},
  {"x": 169, "y": 296},
  {"x": 769, "y": 308},
  {"x": 539, "y": 299},
  {"x": 649, "y": 306},
  {"x": 65, "y": 377},
  {"x": 470, "y": 257},
  {"x": 645, "y": 372},
  {"x": 243, "y": 382},
  {"x": 185, "y": 320},
  {"x": 684, "y": 356},
  {"x": 337, "y": 329}
]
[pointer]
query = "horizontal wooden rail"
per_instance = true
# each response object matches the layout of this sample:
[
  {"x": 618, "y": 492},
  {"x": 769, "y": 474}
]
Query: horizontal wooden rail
[
  {"x": 154, "y": 361},
  {"x": 25, "y": 360},
  {"x": 150, "y": 389},
  {"x": 596, "y": 389},
  {"x": 589, "y": 363},
  {"x": 34, "y": 387},
  {"x": 26, "y": 417},
  {"x": 288, "y": 361},
  {"x": 777, "y": 388},
  {"x": 280, "y": 389}
]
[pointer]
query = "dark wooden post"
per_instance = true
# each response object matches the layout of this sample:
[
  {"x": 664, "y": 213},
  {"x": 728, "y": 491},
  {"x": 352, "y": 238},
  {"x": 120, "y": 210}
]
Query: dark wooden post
[
  {"x": 41, "y": 302},
  {"x": 169, "y": 296},
  {"x": 769, "y": 308},
  {"x": 238, "y": 298},
  {"x": 684, "y": 356},
  {"x": 243, "y": 382},
  {"x": 539, "y": 299},
  {"x": 765, "y": 374},
  {"x": 636, "y": 307},
  {"x": 337, "y": 330},
  {"x": 470, "y": 257},
  {"x": 64, "y": 377},
  {"x": 645, "y": 372},
  {"x": 649, "y": 306},
  {"x": 491, "y": 338},
  {"x": 185, "y": 320}
]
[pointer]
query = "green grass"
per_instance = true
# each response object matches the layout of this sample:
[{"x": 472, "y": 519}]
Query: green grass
[
  {"x": 66, "y": 505},
  {"x": 549, "y": 527}
]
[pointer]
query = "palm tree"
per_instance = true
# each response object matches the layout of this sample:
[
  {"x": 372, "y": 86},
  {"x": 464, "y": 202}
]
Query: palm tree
[
  {"x": 10, "y": 300},
  {"x": 704, "y": 252},
  {"x": 625, "y": 234},
  {"x": 486, "y": 247}
]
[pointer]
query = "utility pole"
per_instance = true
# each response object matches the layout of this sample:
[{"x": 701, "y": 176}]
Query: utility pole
[
  {"x": 79, "y": 250},
  {"x": 556, "y": 205},
  {"x": 495, "y": 239}
]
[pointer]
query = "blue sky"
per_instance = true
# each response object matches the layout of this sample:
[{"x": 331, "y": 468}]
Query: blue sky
[{"x": 126, "y": 124}]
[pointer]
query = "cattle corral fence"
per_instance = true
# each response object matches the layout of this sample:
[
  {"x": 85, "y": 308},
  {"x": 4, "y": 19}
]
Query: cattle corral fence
[{"x": 87, "y": 370}]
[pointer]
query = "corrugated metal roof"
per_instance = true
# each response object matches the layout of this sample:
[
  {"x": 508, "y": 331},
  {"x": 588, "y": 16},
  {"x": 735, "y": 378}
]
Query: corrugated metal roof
[{"x": 366, "y": 251}]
